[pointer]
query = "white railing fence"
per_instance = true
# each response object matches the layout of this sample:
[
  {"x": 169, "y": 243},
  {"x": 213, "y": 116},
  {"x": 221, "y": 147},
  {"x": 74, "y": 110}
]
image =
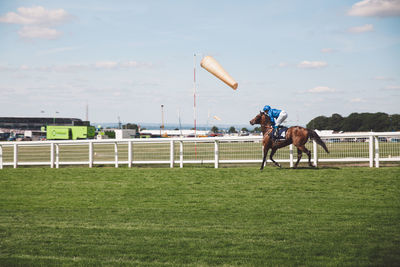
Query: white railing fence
[{"x": 359, "y": 147}]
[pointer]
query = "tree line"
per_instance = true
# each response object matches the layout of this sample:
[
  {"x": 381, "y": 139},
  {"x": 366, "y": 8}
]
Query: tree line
[{"x": 357, "y": 122}]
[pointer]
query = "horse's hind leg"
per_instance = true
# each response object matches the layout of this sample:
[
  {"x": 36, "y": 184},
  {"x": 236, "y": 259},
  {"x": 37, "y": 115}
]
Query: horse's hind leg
[
  {"x": 264, "y": 157},
  {"x": 308, "y": 152},
  {"x": 271, "y": 155},
  {"x": 300, "y": 151},
  {"x": 299, "y": 155}
]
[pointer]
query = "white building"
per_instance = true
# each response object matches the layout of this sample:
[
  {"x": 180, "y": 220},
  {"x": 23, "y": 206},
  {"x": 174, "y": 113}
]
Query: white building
[
  {"x": 124, "y": 133},
  {"x": 175, "y": 133}
]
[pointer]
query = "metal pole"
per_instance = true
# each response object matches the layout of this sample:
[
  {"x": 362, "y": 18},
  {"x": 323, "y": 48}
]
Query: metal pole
[
  {"x": 291, "y": 155},
  {"x": 216, "y": 151},
  {"x": 15, "y": 155},
  {"x": 194, "y": 93},
  {"x": 171, "y": 154},
  {"x": 315, "y": 153},
  {"x": 52, "y": 155},
  {"x": 194, "y": 103},
  {"x": 180, "y": 154},
  {"x": 1, "y": 157},
  {"x": 57, "y": 156},
  {"x": 376, "y": 152},
  {"x": 371, "y": 151},
  {"x": 162, "y": 120},
  {"x": 116, "y": 154},
  {"x": 90, "y": 154},
  {"x": 130, "y": 154}
]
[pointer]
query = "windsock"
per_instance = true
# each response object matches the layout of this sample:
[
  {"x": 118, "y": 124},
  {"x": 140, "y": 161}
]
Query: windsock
[{"x": 212, "y": 66}]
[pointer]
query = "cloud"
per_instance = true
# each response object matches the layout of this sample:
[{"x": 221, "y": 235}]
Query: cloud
[
  {"x": 392, "y": 87},
  {"x": 361, "y": 29},
  {"x": 36, "y": 16},
  {"x": 280, "y": 65},
  {"x": 383, "y": 78},
  {"x": 357, "y": 100},
  {"x": 99, "y": 65},
  {"x": 37, "y": 22},
  {"x": 327, "y": 50},
  {"x": 312, "y": 64},
  {"x": 106, "y": 64},
  {"x": 57, "y": 50},
  {"x": 38, "y": 32},
  {"x": 321, "y": 89},
  {"x": 375, "y": 8}
]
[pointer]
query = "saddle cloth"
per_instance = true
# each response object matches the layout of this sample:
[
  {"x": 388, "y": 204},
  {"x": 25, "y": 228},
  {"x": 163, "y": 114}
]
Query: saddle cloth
[{"x": 281, "y": 132}]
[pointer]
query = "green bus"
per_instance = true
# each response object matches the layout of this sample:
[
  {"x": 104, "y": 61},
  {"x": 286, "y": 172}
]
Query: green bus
[{"x": 69, "y": 132}]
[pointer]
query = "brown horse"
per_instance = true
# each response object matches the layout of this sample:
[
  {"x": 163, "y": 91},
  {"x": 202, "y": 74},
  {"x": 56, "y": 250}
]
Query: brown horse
[{"x": 295, "y": 135}]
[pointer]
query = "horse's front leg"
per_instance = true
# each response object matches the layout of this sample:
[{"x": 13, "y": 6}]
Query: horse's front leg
[
  {"x": 271, "y": 155},
  {"x": 266, "y": 148}
]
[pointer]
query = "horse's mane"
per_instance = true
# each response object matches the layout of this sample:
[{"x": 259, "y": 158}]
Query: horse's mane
[{"x": 267, "y": 119}]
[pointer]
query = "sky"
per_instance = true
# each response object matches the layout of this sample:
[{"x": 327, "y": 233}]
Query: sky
[{"x": 127, "y": 58}]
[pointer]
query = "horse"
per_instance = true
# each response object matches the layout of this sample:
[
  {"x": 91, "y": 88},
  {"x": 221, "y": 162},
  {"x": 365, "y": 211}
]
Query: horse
[{"x": 295, "y": 135}]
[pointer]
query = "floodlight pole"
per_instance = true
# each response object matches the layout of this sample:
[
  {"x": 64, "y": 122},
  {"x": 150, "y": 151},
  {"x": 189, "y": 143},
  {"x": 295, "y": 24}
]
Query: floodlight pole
[{"x": 162, "y": 121}]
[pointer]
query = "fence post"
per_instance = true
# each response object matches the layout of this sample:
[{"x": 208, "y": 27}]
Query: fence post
[
  {"x": 315, "y": 150},
  {"x": 15, "y": 155},
  {"x": 116, "y": 154},
  {"x": 130, "y": 154},
  {"x": 1, "y": 157},
  {"x": 90, "y": 154},
  {"x": 291, "y": 155},
  {"x": 216, "y": 151},
  {"x": 371, "y": 151},
  {"x": 171, "y": 154},
  {"x": 57, "y": 156},
  {"x": 376, "y": 152},
  {"x": 51, "y": 155},
  {"x": 181, "y": 154}
]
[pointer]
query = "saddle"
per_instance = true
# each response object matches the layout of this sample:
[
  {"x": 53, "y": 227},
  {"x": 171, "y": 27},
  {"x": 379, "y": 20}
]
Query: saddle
[{"x": 281, "y": 135}]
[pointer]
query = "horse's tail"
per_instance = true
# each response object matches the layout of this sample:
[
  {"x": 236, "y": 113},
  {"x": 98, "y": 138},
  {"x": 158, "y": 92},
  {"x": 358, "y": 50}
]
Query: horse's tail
[{"x": 313, "y": 135}]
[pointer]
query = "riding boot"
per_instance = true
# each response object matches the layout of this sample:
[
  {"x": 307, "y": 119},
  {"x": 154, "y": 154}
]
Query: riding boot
[{"x": 276, "y": 134}]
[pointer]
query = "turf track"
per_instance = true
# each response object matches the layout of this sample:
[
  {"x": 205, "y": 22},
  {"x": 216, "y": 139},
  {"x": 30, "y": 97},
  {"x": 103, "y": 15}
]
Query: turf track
[{"x": 199, "y": 216}]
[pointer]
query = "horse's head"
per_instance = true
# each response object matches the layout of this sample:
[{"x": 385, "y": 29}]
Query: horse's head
[{"x": 257, "y": 119}]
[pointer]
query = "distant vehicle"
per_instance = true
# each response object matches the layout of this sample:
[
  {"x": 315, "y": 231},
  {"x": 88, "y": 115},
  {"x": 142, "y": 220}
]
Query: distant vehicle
[
  {"x": 22, "y": 137},
  {"x": 15, "y": 137},
  {"x": 244, "y": 133},
  {"x": 4, "y": 136},
  {"x": 69, "y": 132}
]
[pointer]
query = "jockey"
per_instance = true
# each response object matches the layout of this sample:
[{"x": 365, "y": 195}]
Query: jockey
[{"x": 279, "y": 115}]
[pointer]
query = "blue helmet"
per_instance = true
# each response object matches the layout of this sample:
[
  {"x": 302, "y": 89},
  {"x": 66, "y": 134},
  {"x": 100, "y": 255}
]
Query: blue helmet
[{"x": 266, "y": 108}]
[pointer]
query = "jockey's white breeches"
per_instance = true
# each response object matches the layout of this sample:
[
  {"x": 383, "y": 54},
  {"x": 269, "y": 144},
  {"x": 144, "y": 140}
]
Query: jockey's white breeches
[{"x": 282, "y": 117}]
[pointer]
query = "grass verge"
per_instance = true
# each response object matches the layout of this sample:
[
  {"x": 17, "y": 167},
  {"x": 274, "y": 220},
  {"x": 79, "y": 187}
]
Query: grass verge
[{"x": 199, "y": 216}]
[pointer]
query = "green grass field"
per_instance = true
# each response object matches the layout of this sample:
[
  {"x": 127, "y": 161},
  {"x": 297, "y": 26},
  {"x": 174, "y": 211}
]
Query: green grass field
[{"x": 199, "y": 216}]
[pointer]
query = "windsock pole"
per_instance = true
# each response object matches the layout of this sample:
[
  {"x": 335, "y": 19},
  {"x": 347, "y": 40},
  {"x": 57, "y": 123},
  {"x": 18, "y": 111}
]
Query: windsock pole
[
  {"x": 194, "y": 102},
  {"x": 194, "y": 93}
]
